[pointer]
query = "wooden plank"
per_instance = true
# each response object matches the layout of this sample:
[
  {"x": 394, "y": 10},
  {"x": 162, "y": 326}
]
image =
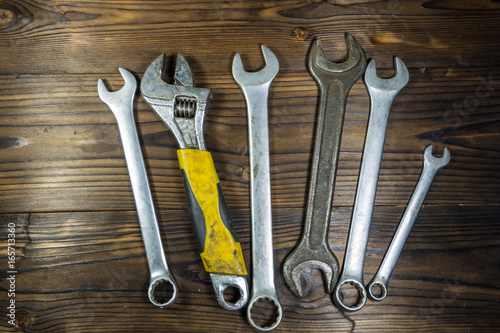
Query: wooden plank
[
  {"x": 61, "y": 149},
  {"x": 97, "y": 37},
  {"x": 87, "y": 271}
]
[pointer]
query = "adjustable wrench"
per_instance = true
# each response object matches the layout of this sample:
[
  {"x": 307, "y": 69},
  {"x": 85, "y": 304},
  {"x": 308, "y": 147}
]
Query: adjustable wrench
[
  {"x": 182, "y": 107},
  {"x": 255, "y": 87},
  {"x": 382, "y": 93},
  {"x": 121, "y": 103},
  {"x": 335, "y": 80},
  {"x": 432, "y": 165}
]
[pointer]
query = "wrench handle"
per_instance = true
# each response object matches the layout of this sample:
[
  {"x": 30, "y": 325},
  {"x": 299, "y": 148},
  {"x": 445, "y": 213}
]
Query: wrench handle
[
  {"x": 324, "y": 165},
  {"x": 381, "y": 278},
  {"x": 142, "y": 194},
  {"x": 220, "y": 249},
  {"x": 158, "y": 268}
]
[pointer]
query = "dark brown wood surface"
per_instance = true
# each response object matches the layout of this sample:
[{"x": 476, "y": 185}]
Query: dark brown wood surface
[{"x": 80, "y": 260}]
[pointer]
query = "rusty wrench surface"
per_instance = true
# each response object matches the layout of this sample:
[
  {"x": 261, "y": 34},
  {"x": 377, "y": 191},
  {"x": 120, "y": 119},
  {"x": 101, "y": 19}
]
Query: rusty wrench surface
[
  {"x": 432, "y": 165},
  {"x": 255, "y": 87},
  {"x": 121, "y": 103},
  {"x": 335, "y": 80},
  {"x": 382, "y": 93}
]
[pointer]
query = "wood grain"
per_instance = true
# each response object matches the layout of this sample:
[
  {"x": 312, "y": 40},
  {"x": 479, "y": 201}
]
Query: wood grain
[
  {"x": 87, "y": 271},
  {"x": 64, "y": 183},
  {"x": 62, "y": 150}
]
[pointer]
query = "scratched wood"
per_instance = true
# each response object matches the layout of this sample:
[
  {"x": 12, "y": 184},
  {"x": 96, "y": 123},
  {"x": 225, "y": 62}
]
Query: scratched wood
[{"x": 64, "y": 183}]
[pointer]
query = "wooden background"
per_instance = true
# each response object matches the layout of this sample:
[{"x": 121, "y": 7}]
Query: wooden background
[{"x": 64, "y": 183}]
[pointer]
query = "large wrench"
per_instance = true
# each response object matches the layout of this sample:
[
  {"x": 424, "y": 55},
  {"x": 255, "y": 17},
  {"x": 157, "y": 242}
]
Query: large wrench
[
  {"x": 121, "y": 103},
  {"x": 255, "y": 87},
  {"x": 432, "y": 165},
  {"x": 382, "y": 93},
  {"x": 335, "y": 80}
]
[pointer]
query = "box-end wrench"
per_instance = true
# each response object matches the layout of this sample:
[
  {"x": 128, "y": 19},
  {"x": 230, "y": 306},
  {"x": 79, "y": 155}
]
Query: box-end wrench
[
  {"x": 335, "y": 80},
  {"x": 382, "y": 93},
  {"x": 431, "y": 167},
  {"x": 182, "y": 108},
  {"x": 255, "y": 87},
  {"x": 121, "y": 103}
]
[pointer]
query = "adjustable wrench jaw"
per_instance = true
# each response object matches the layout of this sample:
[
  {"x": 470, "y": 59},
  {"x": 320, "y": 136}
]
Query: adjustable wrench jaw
[{"x": 180, "y": 105}]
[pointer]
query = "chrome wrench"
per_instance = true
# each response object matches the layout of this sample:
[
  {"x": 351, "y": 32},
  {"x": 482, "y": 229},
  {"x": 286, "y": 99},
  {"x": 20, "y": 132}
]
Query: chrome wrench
[
  {"x": 382, "y": 93},
  {"x": 335, "y": 81},
  {"x": 121, "y": 103},
  {"x": 432, "y": 165},
  {"x": 255, "y": 87}
]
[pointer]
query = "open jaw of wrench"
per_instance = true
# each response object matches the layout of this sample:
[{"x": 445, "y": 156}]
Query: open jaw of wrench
[
  {"x": 382, "y": 93},
  {"x": 182, "y": 108},
  {"x": 121, "y": 103},
  {"x": 377, "y": 288},
  {"x": 255, "y": 87},
  {"x": 335, "y": 80}
]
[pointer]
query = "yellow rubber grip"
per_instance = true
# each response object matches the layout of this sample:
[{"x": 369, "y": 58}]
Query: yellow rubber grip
[{"x": 220, "y": 250}]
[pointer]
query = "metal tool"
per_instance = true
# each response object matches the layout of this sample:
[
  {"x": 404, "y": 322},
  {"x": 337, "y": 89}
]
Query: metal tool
[
  {"x": 182, "y": 107},
  {"x": 382, "y": 93},
  {"x": 121, "y": 103},
  {"x": 335, "y": 80},
  {"x": 255, "y": 87},
  {"x": 432, "y": 165}
]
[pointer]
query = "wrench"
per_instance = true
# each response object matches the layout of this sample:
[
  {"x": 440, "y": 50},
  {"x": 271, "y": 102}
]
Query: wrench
[
  {"x": 382, "y": 93},
  {"x": 255, "y": 87},
  {"x": 335, "y": 81},
  {"x": 432, "y": 165},
  {"x": 182, "y": 108},
  {"x": 121, "y": 104}
]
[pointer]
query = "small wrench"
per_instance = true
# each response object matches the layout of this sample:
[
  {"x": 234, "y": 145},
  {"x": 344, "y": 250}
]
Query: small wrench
[
  {"x": 382, "y": 93},
  {"x": 432, "y": 165},
  {"x": 335, "y": 80},
  {"x": 255, "y": 87},
  {"x": 182, "y": 108},
  {"x": 121, "y": 103}
]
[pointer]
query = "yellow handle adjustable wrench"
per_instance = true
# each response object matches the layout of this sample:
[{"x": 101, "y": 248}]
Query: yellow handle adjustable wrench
[{"x": 182, "y": 107}]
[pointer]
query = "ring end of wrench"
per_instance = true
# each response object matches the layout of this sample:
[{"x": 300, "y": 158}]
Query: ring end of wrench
[
  {"x": 338, "y": 300},
  {"x": 167, "y": 279},
  {"x": 374, "y": 284},
  {"x": 223, "y": 281},
  {"x": 274, "y": 300}
]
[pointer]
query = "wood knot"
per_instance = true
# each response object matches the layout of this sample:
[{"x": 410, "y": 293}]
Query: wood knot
[
  {"x": 24, "y": 321},
  {"x": 301, "y": 33},
  {"x": 9, "y": 16},
  {"x": 6, "y": 16}
]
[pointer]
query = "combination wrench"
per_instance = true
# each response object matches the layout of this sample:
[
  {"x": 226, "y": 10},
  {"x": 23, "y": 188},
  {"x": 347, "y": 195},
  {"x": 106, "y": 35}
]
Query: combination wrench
[
  {"x": 382, "y": 93},
  {"x": 255, "y": 86},
  {"x": 121, "y": 104},
  {"x": 335, "y": 80},
  {"x": 431, "y": 167}
]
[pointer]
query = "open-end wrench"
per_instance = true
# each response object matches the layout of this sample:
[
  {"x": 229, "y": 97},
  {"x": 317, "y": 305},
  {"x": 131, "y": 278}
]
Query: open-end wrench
[
  {"x": 121, "y": 103},
  {"x": 382, "y": 93},
  {"x": 335, "y": 80},
  {"x": 431, "y": 167},
  {"x": 182, "y": 107},
  {"x": 255, "y": 87}
]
